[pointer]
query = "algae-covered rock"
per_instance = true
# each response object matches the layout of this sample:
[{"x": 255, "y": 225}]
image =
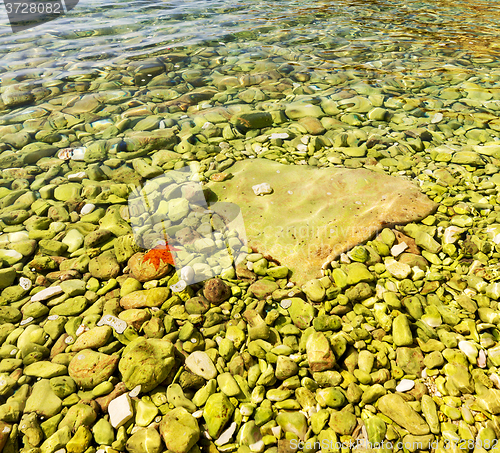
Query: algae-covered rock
[
  {"x": 153, "y": 297},
  {"x": 217, "y": 412},
  {"x": 398, "y": 410},
  {"x": 146, "y": 440},
  {"x": 89, "y": 368},
  {"x": 179, "y": 430},
  {"x": 43, "y": 401},
  {"x": 146, "y": 362},
  {"x": 344, "y": 206}
]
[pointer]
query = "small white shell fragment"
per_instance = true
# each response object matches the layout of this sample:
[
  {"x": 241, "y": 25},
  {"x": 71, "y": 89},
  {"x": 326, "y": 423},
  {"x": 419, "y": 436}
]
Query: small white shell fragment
[
  {"x": 187, "y": 274},
  {"x": 81, "y": 328},
  {"x": 286, "y": 303},
  {"x": 257, "y": 446},
  {"x": 198, "y": 413},
  {"x": 69, "y": 339},
  {"x": 65, "y": 154},
  {"x": 77, "y": 176},
  {"x": 250, "y": 266},
  {"x": 26, "y": 321},
  {"x": 179, "y": 286},
  {"x": 120, "y": 411},
  {"x": 25, "y": 283},
  {"x": 135, "y": 391},
  {"x": 200, "y": 363},
  {"x": 262, "y": 189},
  {"x": 397, "y": 249},
  {"x": 52, "y": 317},
  {"x": 87, "y": 208},
  {"x": 109, "y": 320},
  {"x": 276, "y": 430},
  {"x": 46, "y": 293},
  {"x": 405, "y": 385}
]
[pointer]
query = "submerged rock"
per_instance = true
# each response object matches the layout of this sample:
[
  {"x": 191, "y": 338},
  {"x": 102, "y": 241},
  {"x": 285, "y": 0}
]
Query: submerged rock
[{"x": 343, "y": 208}]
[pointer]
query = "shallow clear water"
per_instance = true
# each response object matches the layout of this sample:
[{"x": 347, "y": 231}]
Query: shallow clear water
[{"x": 382, "y": 38}]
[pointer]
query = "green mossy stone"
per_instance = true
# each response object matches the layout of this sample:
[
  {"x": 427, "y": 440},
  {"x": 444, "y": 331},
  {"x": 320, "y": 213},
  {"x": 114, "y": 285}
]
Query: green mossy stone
[
  {"x": 56, "y": 441},
  {"x": 146, "y": 362},
  {"x": 293, "y": 422},
  {"x": 342, "y": 422},
  {"x": 410, "y": 360},
  {"x": 217, "y": 413},
  {"x": 80, "y": 441},
  {"x": 44, "y": 369},
  {"x": 401, "y": 332},
  {"x": 43, "y": 401},
  {"x": 398, "y": 410},
  {"x": 103, "y": 432},
  {"x": 89, "y": 368},
  {"x": 63, "y": 386},
  {"x": 146, "y": 440},
  {"x": 376, "y": 429},
  {"x": 179, "y": 430},
  {"x": 78, "y": 415},
  {"x": 301, "y": 312},
  {"x": 314, "y": 290}
]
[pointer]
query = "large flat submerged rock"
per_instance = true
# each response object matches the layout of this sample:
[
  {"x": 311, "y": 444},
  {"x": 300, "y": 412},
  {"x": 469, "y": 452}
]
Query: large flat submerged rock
[{"x": 315, "y": 214}]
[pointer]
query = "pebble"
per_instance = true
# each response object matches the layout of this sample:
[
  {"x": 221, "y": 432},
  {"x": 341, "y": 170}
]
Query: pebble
[
  {"x": 262, "y": 189},
  {"x": 405, "y": 385},
  {"x": 120, "y": 411},
  {"x": 87, "y": 208},
  {"x": 46, "y": 293}
]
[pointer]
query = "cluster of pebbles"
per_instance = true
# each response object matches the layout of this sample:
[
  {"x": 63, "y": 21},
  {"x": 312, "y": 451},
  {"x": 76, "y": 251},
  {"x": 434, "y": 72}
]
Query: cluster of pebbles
[{"x": 396, "y": 342}]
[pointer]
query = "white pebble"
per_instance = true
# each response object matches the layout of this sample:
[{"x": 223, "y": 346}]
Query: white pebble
[
  {"x": 87, "y": 208},
  {"x": 397, "y": 249},
  {"x": 78, "y": 154},
  {"x": 77, "y": 176},
  {"x": 187, "y": 274},
  {"x": 262, "y": 189},
  {"x": 249, "y": 265},
  {"x": 286, "y": 303},
  {"x": 405, "y": 385},
  {"x": 26, "y": 321},
  {"x": 282, "y": 135},
  {"x": 481, "y": 360},
  {"x": 437, "y": 118},
  {"x": 120, "y": 411},
  {"x": 46, "y": 293}
]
